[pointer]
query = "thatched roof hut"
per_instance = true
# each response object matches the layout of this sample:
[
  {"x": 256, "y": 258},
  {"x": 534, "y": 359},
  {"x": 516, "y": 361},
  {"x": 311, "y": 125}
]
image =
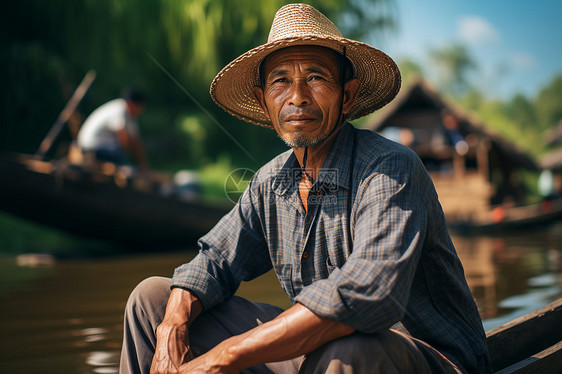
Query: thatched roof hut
[
  {"x": 472, "y": 167},
  {"x": 420, "y": 106}
]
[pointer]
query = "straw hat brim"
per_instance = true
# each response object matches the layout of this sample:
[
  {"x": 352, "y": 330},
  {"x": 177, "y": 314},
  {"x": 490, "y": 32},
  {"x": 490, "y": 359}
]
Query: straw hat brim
[{"x": 379, "y": 76}]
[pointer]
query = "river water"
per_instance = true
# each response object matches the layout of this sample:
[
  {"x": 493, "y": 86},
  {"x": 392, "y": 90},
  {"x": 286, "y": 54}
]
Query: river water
[{"x": 66, "y": 317}]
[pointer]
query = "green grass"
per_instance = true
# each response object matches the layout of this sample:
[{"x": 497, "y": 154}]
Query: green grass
[
  {"x": 218, "y": 178},
  {"x": 18, "y": 235},
  {"x": 213, "y": 177}
]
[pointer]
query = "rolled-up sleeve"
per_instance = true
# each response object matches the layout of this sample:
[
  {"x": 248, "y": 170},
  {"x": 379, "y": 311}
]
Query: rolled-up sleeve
[
  {"x": 370, "y": 291},
  {"x": 233, "y": 251}
]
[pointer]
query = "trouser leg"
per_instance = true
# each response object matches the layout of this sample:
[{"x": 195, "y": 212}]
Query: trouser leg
[
  {"x": 114, "y": 155},
  {"x": 145, "y": 310},
  {"x": 388, "y": 352}
]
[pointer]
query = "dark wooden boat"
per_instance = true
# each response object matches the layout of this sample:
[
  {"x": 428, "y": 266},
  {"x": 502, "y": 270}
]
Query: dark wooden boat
[
  {"x": 503, "y": 219},
  {"x": 101, "y": 202},
  {"x": 529, "y": 344}
]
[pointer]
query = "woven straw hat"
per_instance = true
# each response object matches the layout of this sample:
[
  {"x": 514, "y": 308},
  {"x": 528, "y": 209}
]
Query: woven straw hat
[{"x": 301, "y": 24}]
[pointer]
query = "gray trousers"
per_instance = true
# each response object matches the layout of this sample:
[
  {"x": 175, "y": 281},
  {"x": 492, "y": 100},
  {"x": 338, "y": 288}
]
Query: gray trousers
[{"x": 387, "y": 352}]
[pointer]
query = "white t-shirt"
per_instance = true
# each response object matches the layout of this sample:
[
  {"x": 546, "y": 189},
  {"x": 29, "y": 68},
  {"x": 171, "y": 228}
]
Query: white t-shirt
[{"x": 100, "y": 128}]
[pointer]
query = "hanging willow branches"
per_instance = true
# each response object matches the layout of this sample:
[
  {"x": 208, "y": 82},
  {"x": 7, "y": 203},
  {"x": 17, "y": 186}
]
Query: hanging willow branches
[{"x": 51, "y": 44}]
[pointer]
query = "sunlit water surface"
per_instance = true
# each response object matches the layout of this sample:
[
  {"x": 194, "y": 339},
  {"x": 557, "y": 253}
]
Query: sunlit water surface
[{"x": 67, "y": 317}]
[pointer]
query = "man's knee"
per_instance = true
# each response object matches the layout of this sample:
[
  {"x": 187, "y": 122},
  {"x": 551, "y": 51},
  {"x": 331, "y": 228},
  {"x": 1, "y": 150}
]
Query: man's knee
[
  {"x": 353, "y": 351},
  {"x": 384, "y": 352},
  {"x": 149, "y": 297}
]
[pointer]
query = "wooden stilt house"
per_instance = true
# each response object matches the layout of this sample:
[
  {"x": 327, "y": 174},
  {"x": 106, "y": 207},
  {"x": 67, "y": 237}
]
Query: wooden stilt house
[{"x": 473, "y": 169}]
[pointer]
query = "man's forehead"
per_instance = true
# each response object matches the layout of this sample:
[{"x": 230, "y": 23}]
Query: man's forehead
[{"x": 314, "y": 55}]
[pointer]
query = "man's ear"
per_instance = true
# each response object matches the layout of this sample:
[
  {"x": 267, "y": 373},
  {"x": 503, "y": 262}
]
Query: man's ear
[
  {"x": 350, "y": 91},
  {"x": 260, "y": 98}
]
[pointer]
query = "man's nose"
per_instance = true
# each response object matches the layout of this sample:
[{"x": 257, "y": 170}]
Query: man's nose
[{"x": 300, "y": 93}]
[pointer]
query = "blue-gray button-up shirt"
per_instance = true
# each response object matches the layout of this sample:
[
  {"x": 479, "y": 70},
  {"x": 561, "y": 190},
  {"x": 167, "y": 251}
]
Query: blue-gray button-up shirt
[{"x": 372, "y": 250}]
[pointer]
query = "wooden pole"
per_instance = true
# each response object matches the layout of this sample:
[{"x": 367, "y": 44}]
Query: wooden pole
[{"x": 65, "y": 114}]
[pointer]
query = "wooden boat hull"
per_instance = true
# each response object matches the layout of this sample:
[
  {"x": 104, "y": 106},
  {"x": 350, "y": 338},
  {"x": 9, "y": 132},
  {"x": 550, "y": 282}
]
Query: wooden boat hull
[
  {"x": 514, "y": 218},
  {"x": 94, "y": 205},
  {"x": 529, "y": 344}
]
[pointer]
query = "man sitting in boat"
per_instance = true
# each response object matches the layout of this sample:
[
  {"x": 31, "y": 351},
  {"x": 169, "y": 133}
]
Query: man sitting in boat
[
  {"x": 111, "y": 131},
  {"x": 348, "y": 220}
]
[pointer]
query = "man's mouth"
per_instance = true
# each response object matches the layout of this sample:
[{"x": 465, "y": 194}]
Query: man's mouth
[{"x": 300, "y": 118}]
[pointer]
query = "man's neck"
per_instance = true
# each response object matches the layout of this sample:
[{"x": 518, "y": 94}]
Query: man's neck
[{"x": 315, "y": 154}]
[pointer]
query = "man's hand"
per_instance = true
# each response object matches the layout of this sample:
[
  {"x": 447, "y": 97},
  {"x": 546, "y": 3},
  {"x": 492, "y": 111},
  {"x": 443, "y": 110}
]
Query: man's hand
[
  {"x": 172, "y": 348},
  {"x": 213, "y": 362},
  {"x": 172, "y": 342}
]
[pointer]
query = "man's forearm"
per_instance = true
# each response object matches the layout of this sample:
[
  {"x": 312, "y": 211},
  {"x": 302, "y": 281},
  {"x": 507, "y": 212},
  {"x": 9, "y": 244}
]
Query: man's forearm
[
  {"x": 183, "y": 307},
  {"x": 172, "y": 343},
  {"x": 295, "y": 332}
]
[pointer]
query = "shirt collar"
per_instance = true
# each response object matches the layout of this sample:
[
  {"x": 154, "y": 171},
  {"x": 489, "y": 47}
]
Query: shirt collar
[
  {"x": 334, "y": 173},
  {"x": 337, "y": 166}
]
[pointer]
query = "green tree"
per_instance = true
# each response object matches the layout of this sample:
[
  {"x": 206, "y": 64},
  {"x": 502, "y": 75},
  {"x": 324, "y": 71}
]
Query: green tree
[
  {"x": 454, "y": 63},
  {"x": 548, "y": 104},
  {"x": 410, "y": 70},
  {"x": 473, "y": 99},
  {"x": 521, "y": 110}
]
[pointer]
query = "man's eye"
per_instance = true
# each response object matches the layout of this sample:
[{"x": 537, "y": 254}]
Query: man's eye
[
  {"x": 316, "y": 78},
  {"x": 281, "y": 80}
]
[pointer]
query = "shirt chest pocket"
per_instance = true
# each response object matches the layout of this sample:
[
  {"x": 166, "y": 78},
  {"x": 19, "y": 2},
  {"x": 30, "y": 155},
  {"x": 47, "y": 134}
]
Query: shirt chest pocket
[{"x": 338, "y": 248}]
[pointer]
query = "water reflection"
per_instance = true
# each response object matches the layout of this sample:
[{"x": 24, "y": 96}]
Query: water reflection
[
  {"x": 477, "y": 257},
  {"x": 512, "y": 275},
  {"x": 93, "y": 334},
  {"x": 67, "y": 318},
  {"x": 103, "y": 362}
]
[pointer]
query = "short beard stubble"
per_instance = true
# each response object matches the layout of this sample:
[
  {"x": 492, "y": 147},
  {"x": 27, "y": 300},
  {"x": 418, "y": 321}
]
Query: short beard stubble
[{"x": 303, "y": 141}]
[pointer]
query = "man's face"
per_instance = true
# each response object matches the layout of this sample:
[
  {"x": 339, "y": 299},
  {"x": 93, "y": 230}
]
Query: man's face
[{"x": 302, "y": 95}]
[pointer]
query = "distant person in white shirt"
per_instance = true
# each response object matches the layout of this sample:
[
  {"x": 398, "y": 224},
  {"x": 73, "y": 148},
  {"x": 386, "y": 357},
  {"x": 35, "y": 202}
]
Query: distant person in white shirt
[{"x": 111, "y": 131}]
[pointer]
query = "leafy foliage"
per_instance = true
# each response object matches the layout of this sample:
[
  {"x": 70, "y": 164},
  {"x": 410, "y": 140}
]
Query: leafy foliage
[
  {"x": 522, "y": 120},
  {"x": 410, "y": 71},
  {"x": 548, "y": 104},
  {"x": 455, "y": 63},
  {"x": 51, "y": 45}
]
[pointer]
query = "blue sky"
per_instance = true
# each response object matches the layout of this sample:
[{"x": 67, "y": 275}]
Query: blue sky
[{"x": 517, "y": 44}]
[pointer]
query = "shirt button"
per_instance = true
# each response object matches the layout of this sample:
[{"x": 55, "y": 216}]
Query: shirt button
[{"x": 305, "y": 255}]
